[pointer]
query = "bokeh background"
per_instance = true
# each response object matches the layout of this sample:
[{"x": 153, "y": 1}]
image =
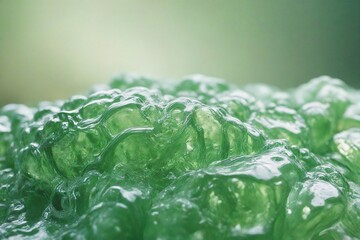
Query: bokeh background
[{"x": 53, "y": 49}]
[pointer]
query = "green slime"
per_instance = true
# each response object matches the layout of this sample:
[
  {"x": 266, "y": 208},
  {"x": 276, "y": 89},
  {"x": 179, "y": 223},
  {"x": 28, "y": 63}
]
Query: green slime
[{"x": 201, "y": 159}]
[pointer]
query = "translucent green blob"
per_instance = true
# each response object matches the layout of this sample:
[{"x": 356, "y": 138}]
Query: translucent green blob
[{"x": 199, "y": 159}]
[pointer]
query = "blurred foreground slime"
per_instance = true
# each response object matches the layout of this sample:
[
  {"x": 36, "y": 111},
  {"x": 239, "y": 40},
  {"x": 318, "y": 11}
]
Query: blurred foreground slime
[{"x": 197, "y": 160}]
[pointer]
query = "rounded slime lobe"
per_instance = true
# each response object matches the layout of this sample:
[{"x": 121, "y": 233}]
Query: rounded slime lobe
[{"x": 200, "y": 159}]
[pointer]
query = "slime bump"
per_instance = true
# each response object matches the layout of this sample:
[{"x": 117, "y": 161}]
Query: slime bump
[{"x": 200, "y": 159}]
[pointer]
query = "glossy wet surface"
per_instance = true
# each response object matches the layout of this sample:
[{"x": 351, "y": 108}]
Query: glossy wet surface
[{"x": 197, "y": 160}]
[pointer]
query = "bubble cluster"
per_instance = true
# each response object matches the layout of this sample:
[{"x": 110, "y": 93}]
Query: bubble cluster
[{"x": 200, "y": 159}]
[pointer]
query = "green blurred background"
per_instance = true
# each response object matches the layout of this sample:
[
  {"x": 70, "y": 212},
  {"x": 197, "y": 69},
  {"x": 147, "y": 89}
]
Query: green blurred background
[{"x": 53, "y": 49}]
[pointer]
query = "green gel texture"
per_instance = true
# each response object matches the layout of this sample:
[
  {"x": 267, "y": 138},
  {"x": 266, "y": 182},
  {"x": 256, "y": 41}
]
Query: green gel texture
[{"x": 199, "y": 159}]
